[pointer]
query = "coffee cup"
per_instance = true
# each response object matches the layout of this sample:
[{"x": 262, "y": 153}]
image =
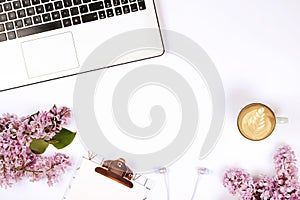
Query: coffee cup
[{"x": 257, "y": 121}]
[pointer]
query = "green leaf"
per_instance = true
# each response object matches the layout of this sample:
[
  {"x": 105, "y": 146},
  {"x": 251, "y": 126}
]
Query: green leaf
[
  {"x": 63, "y": 138},
  {"x": 38, "y": 146}
]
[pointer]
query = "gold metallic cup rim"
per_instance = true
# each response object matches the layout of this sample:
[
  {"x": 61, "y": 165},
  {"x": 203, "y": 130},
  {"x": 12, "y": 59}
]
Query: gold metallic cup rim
[{"x": 239, "y": 120}]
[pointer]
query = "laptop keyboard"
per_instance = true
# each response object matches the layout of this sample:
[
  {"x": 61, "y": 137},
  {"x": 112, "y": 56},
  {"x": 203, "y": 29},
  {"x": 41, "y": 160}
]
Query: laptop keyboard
[{"x": 20, "y": 18}]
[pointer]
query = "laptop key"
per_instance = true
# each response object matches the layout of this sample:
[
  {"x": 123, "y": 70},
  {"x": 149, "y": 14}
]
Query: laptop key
[
  {"x": 17, "y": 4},
  {"x": 19, "y": 23},
  {"x": 49, "y": 7},
  {"x": 74, "y": 11},
  {"x": 7, "y": 6},
  {"x": 3, "y": 17},
  {"x": 132, "y": 1},
  {"x": 3, "y": 37},
  {"x": 28, "y": 21},
  {"x": 67, "y": 22},
  {"x": 124, "y": 1},
  {"x": 118, "y": 11},
  {"x": 89, "y": 17},
  {"x": 39, "y": 29},
  {"x": 55, "y": 15},
  {"x": 12, "y": 15},
  {"x": 30, "y": 11},
  {"x": 67, "y": 3},
  {"x": 96, "y": 6},
  {"x": 21, "y": 13},
  {"x": 39, "y": 9},
  {"x": 76, "y": 20},
  {"x": 46, "y": 17},
  {"x": 58, "y": 5},
  {"x": 9, "y": 26},
  {"x": 83, "y": 9},
  {"x": 11, "y": 35},
  {"x": 65, "y": 13},
  {"x": 116, "y": 2},
  {"x": 142, "y": 5},
  {"x": 35, "y": 2},
  {"x": 107, "y": 3},
  {"x": 126, "y": 9},
  {"x": 77, "y": 2},
  {"x": 110, "y": 12},
  {"x": 134, "y": 7},
  {"x": 37, "y": 19},
  {"x": 26, "y": 3},
  {"x": 1, "y": 9},
  {"x": 102, "y": 14},
  {"x": 2, "y": 28}
]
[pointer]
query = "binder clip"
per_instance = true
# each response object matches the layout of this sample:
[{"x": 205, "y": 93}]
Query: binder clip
[{"x": 117, "y": 171}]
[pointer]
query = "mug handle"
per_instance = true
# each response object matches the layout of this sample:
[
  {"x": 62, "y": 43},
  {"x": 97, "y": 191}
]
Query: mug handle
[{"x": 282, "y": 120}]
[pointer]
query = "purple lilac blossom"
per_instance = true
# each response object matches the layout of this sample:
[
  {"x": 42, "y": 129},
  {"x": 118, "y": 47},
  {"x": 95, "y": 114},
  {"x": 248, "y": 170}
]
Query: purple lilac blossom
[
  {"x": 16, "y": 158},
  {"x": 238, "y": 181},
  {"x": 283, "y": 186}
]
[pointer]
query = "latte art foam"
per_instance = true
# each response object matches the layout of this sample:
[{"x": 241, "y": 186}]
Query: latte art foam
[{"x": 256, "y": 121}]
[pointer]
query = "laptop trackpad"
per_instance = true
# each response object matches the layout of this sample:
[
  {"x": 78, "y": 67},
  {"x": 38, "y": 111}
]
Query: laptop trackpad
[{"x": 50, "y": 55}]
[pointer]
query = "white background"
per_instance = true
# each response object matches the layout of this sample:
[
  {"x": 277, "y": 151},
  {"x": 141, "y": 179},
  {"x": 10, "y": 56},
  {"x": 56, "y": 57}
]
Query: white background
[{"x": 255, "y": 46}]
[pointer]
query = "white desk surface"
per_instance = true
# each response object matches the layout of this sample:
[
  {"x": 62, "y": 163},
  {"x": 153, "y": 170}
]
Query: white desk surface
[{"x": 255, "y": 46}]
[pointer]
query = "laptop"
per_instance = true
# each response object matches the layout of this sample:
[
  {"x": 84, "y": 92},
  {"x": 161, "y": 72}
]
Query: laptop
[{"x": 43, "y": 40}]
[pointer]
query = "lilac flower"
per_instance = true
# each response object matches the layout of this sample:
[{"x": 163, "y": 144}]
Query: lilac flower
[
  {"x": 286, "y": 174},
  {"x": 45, "y": 125},
  {"x": 285, "y": 162},
  {"x": 47, "y": 167},
  {"x": 283, "y": 186},
  {"x": 264, "y": 187},
  {"x": 16, "y": 158},
  {"x": 239, "y": 182}
]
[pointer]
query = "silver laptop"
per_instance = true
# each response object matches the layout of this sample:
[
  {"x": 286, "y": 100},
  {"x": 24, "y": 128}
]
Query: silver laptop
[{"x": 42, "y": 40}]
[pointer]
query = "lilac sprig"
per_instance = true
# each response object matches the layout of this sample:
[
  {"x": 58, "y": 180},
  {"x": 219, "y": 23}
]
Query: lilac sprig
[
  {"x": 17, "y": 160},
  {"x": 239, "y": 182},
  {"x": 284, "y": 185},
  {"x": 45, "y": 125}
]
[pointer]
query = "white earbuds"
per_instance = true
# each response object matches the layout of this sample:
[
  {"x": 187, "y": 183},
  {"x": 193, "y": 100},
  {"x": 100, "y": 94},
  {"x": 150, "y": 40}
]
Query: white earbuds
[
  {"x": 162, "y": 170},
  {"x": 203, "y": 171},
  {"x": 200, "y": 170}
]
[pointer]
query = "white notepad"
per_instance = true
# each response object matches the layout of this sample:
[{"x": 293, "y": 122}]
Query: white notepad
[{"x": 87, "y": 184}]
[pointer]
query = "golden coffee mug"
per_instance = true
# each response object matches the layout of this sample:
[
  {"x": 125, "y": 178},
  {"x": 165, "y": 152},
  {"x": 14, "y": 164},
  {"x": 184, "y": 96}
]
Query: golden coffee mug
[{"x": 257, "y": 121}]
